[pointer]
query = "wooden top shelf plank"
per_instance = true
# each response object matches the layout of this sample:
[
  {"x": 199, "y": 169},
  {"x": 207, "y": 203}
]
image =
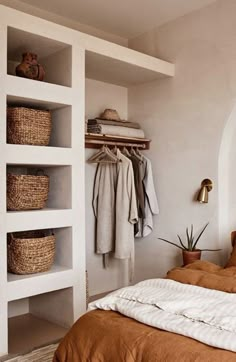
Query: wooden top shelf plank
[{"x": 93, "y": 140}]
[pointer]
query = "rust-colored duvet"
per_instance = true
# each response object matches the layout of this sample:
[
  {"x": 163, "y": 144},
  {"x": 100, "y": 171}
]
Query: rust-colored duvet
[{"x": 106, "y": 336}]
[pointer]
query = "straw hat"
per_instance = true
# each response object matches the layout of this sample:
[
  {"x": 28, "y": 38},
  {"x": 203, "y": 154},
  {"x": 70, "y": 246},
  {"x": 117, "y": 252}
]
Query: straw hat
[{"x": 111, "y": 115}]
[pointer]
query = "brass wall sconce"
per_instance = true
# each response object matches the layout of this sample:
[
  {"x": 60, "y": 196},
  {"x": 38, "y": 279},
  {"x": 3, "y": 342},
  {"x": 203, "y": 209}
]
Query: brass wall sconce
[{"x": 206, "y": 186}]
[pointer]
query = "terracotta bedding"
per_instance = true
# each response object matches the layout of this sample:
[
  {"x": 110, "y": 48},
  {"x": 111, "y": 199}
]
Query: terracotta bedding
[
  {"x": 106, "y": 336},
  {"x": 207, "y": 275}
]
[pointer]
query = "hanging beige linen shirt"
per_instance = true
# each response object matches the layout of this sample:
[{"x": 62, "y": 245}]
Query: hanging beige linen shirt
[
  {"x": 126, "y": 211},
  {"x": 104, "y": 207}
]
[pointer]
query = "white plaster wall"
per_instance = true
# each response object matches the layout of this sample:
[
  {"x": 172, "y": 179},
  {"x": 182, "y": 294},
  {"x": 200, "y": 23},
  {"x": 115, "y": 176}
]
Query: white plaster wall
[
  {"x": 99, "y": 96},
  {"x": 32, "y": 10},
  {"x": 226, "y": 164},
  {"x": 18, "y": 307},
  {"x": 230, "y": 181},
  {"x": 185, "y": 117}
]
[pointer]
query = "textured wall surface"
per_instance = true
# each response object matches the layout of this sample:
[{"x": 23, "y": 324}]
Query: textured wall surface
[{"x": 186, "y": 117}]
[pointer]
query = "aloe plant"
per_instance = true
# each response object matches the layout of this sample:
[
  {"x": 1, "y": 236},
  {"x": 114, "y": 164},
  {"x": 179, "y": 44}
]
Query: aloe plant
[{"x": 191, "y": 240}]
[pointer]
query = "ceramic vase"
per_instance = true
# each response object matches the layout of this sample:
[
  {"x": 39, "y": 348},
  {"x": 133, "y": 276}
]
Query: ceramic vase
[{"x": 30, "y": 68}]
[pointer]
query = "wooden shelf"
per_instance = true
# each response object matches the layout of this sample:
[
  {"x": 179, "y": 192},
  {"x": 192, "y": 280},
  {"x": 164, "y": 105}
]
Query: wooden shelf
[{"x": 93, "y": 140}]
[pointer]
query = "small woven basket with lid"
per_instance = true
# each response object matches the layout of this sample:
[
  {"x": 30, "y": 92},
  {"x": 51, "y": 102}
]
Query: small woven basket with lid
[{"x": 30, "y": 252}]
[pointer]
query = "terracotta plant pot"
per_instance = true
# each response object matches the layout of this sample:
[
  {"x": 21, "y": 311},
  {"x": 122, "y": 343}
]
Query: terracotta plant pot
[{"x": 191, "y": 256}]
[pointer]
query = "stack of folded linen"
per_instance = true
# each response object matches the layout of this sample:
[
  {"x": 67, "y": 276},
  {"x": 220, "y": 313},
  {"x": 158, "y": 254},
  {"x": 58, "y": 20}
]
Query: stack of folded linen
[{"x": 110, "y": 123}]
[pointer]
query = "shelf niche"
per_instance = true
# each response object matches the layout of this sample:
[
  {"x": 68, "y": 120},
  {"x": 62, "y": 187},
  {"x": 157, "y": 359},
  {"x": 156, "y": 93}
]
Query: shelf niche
[
  {"x": 59, "y": 196},
  {"x": 43, "y": 318},
  {"x": 63, "y": 255},
  {"x": 61, "y": 118},
  {"x": 125, "y": 67},
  {"x": 52, "y": 55}
]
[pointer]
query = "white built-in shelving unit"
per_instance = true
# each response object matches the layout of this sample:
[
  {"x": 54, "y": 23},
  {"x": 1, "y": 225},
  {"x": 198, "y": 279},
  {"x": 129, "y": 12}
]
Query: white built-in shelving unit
[{"x": 68, "y": 56}]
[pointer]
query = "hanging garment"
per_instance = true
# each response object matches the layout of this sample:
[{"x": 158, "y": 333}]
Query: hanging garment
[
  {"x": 126, "y": 211},
  {"x": 115, "y": 209},
  {"x": 104, "y": 207},
  {"x": 139, "y": 174},
  {"x": 145, "y": 226}
]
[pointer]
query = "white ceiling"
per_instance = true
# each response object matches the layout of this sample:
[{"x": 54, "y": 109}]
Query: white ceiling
[{"x": 126, "y": 18}]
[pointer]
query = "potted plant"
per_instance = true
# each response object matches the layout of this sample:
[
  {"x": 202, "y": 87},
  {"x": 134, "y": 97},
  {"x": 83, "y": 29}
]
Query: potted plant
[{"x": 190, "y": 251}]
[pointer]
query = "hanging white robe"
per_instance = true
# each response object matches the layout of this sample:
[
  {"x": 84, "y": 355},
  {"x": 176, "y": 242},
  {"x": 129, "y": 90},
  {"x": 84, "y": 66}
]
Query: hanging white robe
[
  {"x": 126, "y": 208},
  {"x": 126, "y": 212},
  {"x": 104, "y": 207}
]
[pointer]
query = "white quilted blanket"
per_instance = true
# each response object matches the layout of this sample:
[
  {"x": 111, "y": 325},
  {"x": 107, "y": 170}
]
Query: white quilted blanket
[{"x": 206, "y": 315}]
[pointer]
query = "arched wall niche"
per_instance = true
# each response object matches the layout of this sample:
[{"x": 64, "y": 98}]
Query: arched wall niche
[{"x": 227, "y": 183}]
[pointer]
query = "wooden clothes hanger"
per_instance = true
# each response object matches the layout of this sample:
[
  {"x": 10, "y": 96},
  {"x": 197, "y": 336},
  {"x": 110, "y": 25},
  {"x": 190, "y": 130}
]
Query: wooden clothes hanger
[
  {"x": 113, "y": 153},
  {"x": 133, "y": 153},
  {"x": 138, "y": 152},
  {"x": 104, "y": 155},
  {"x": 96, "y": 155},
  {"x": 126, "y": 152}
]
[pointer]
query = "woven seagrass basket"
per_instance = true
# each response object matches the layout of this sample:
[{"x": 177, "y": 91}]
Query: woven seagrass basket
[
  {"x": 27, "y": 192},
  {"x": 27, "y": 126},
  {"x": 30, "y": 252}
]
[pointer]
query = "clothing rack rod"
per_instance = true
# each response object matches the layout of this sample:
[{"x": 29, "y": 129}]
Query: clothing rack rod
[{"x": 124, "y": 144}]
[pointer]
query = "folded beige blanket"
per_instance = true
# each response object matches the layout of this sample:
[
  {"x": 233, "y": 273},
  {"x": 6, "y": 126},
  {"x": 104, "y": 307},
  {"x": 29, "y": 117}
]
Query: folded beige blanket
[
  {"x": 114, "y": 123},
  {"x": 116, "y": 130}
]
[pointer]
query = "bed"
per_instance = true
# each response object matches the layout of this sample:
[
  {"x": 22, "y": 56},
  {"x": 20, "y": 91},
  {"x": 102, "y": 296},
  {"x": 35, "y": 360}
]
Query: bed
[{"x": 115, "y": 329}]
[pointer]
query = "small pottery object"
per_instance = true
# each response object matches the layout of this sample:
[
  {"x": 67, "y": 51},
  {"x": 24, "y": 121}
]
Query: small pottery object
[
  {"x": 30, "y": 68},
  {"x": 191, "y": 256}
]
